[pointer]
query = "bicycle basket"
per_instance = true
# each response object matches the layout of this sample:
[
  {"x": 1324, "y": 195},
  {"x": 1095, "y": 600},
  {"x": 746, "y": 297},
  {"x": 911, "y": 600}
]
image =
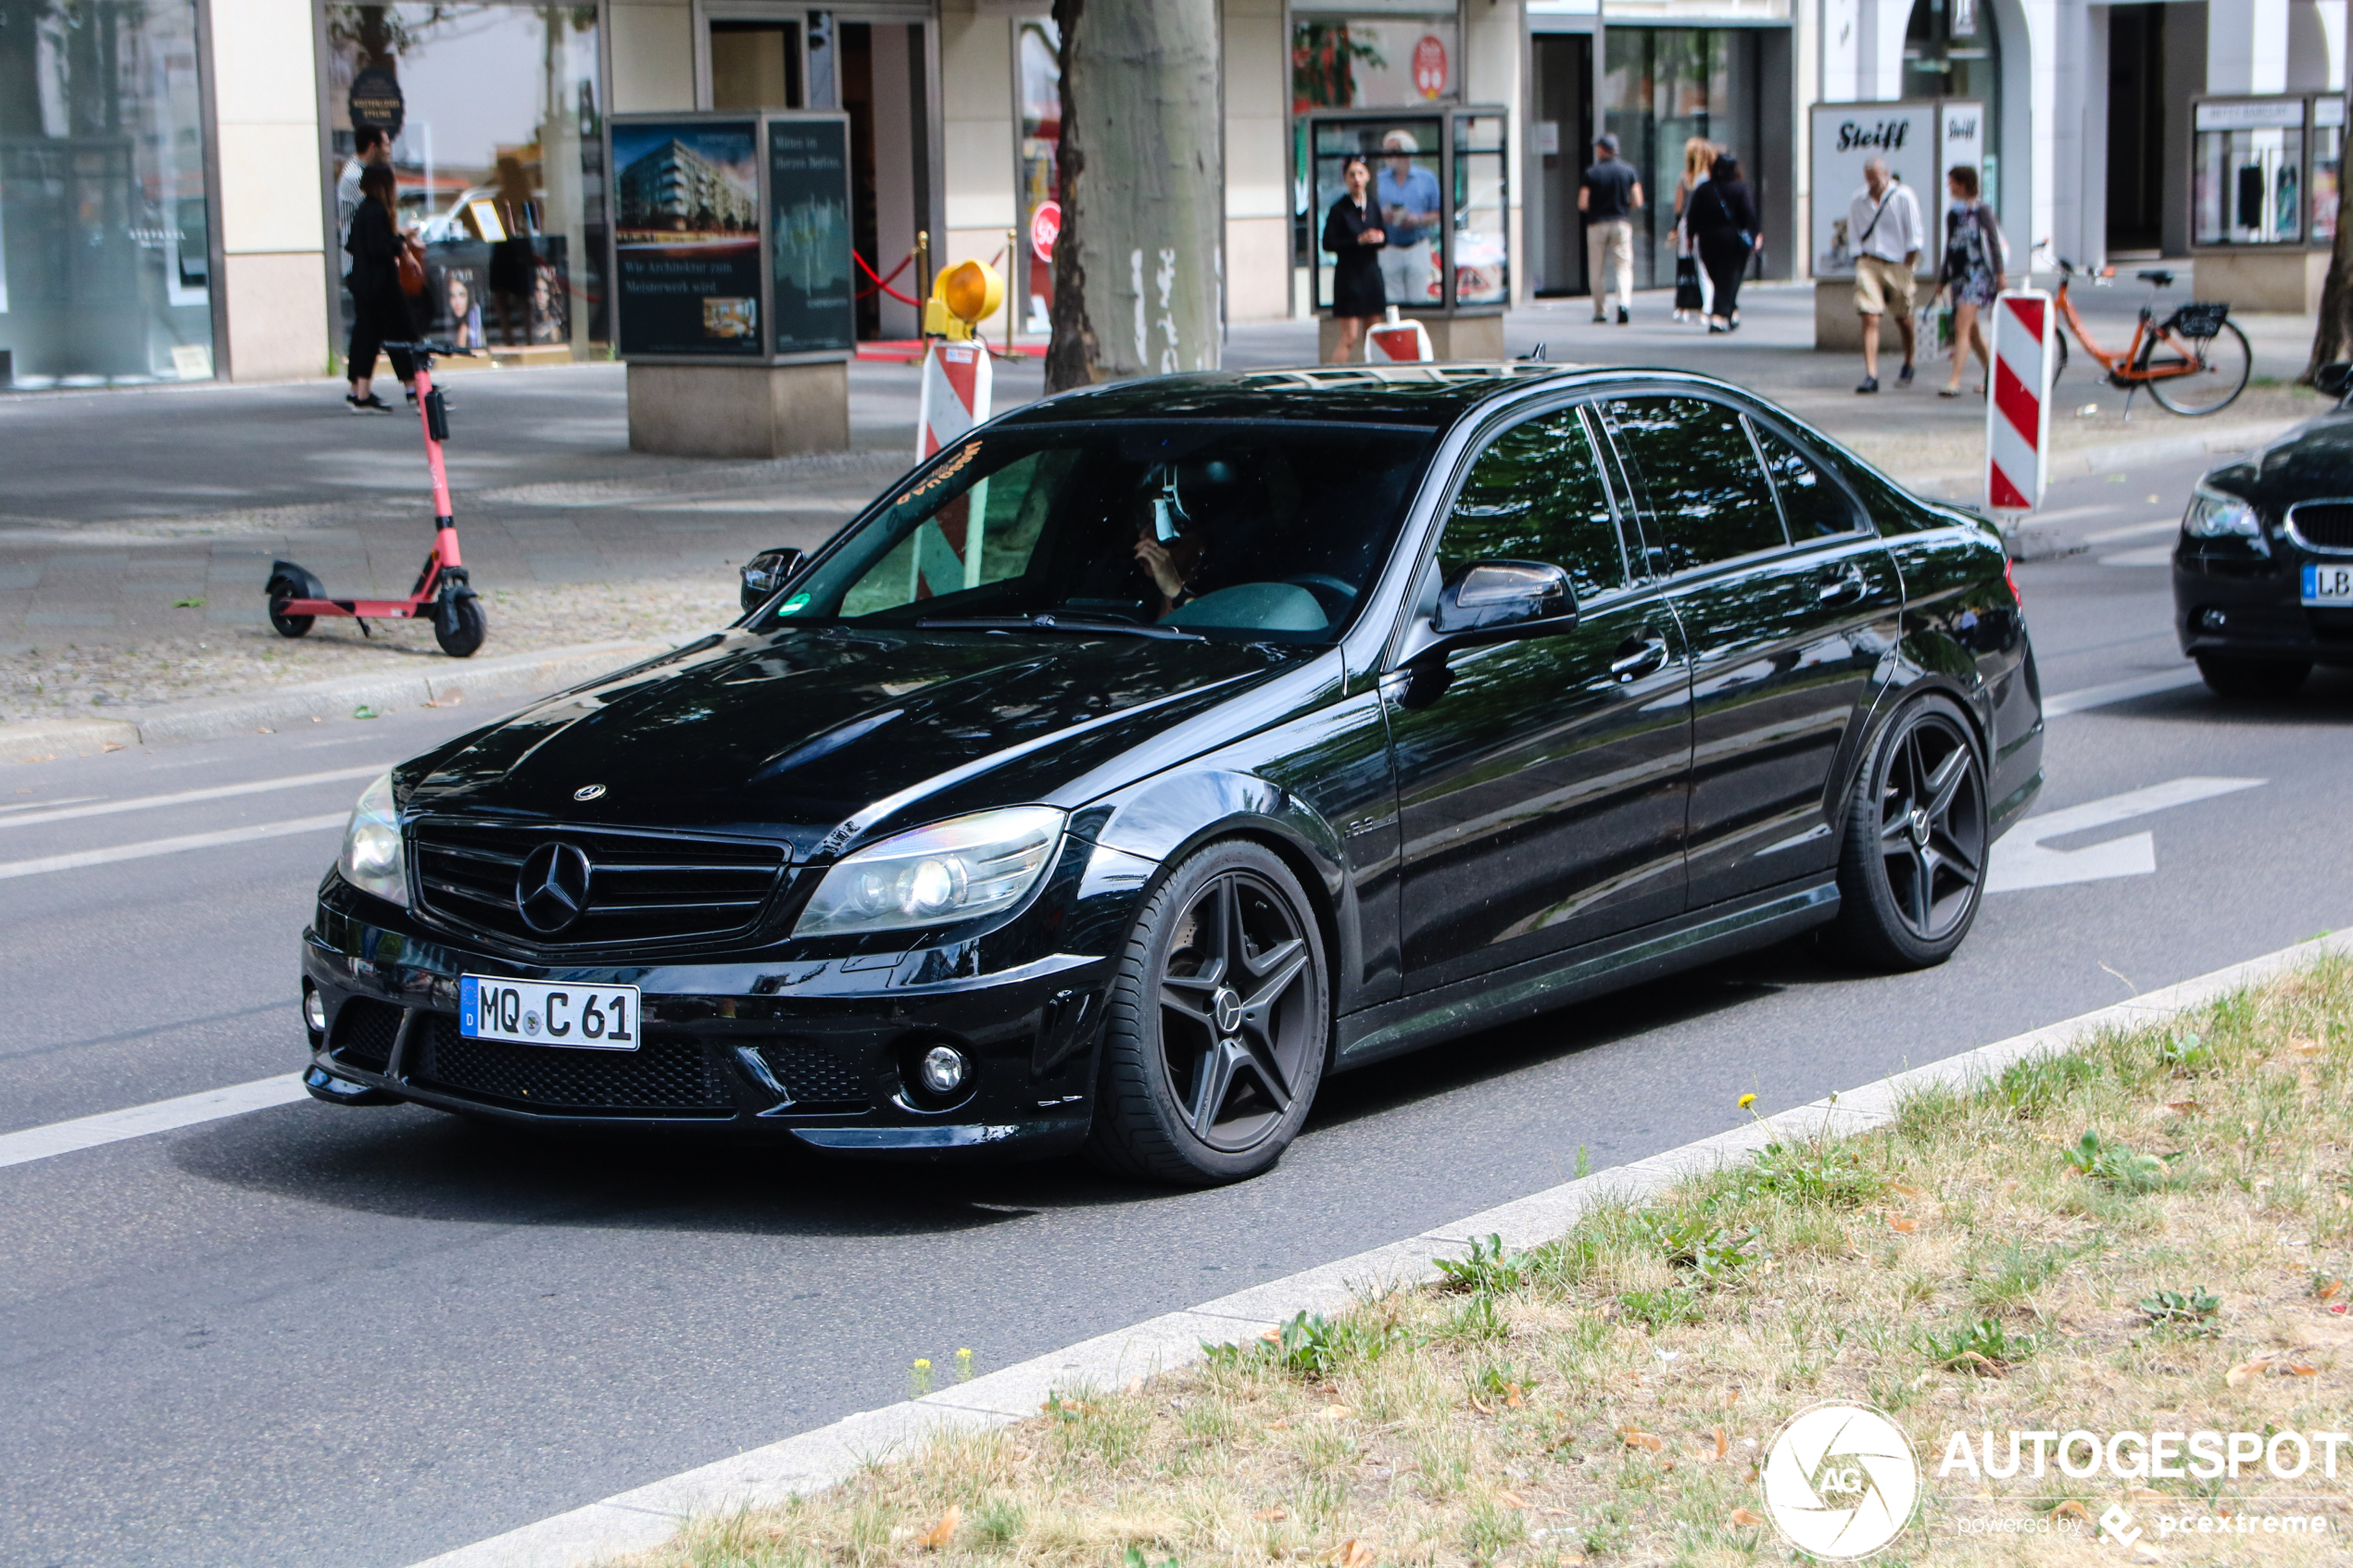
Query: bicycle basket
[{"x": 2200, "y": 319}]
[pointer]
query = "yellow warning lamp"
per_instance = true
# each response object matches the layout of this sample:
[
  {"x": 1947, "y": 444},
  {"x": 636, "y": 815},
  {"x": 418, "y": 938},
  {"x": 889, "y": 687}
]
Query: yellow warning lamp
[{"x": 962, "y": 296}]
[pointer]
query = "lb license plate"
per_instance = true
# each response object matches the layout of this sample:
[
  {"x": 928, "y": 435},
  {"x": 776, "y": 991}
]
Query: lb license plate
[
  {"x": 530, "y": 1012},
  {"x": 2328, "y": 585}
]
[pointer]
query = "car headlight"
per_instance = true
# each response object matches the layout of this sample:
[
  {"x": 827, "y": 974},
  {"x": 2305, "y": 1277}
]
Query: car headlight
[
  {"x": 2214, "y": 515},
  {"x": 951, "y": 871},
  {"x": 373, "y": 860}
]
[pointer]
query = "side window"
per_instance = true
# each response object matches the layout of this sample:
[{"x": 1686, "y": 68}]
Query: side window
[
  {"x": 1815, "y": 504},
  {"x": 1694, "y": 461},
  {"x": 1536, "y": 493}
]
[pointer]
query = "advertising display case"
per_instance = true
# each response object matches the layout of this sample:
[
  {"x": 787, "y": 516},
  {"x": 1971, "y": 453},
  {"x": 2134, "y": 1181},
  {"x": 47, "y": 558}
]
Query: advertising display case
[
  {"x": 1920, "y": 140},
  {"x": 2264, "y": 177},
  {"x": 732, "y": 238}
]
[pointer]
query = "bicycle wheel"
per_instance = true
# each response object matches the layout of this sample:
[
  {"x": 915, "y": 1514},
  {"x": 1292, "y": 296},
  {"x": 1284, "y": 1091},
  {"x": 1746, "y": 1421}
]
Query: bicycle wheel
[
  {"x": 2060, "y": 368},
  {"x": 2222, "y": 362}
]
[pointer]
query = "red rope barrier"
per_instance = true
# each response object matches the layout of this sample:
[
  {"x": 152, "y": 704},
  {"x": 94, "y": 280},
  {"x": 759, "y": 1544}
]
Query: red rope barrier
[{"x": 882, "y": 284}]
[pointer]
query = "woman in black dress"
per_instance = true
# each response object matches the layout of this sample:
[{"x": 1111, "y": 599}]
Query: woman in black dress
[
  {"x": 1722, "y": 215},
  {"x": 1352, "y": 232},
  {"x": 379, "y": 310}
]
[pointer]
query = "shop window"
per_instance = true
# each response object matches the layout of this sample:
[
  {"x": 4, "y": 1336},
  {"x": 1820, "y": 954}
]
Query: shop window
[
  {"x": 1951, "y": 50},
  {"x": 1037, "y": 59},
  {"x": 498, "y": 147},
  {"x": 104, "y": 244},
  {"x": 1662, "y": 87},
  {"x": 2247, "y": 183},
  {"x": 1381, "y": 62}
]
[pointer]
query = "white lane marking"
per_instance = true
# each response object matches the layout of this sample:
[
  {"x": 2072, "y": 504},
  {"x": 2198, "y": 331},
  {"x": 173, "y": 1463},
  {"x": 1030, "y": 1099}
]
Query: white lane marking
[
  {"x": 188, "y": 796},
  {"x": 82, "y": 857},
  {"x": 2152, "y": 555},
  {"x": 646, "y": 1516},
  {"x": 2020, "y": 860},
  {"x": 2119, "y": 691},
  {"x": 138, "y": 1120},
  {"x": 2065, "y": 514},
  {"x": 2132, "y": 531},
  {"x": 38, "y": 804}
]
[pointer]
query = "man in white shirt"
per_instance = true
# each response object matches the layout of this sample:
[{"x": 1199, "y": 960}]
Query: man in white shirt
[
  {"x": 1883, "y": 225},
  {"x": 368, "y": 144}
]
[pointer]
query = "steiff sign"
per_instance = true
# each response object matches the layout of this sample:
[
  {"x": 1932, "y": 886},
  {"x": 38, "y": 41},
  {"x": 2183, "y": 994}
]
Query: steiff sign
[{"x": 1919, "y": 141}]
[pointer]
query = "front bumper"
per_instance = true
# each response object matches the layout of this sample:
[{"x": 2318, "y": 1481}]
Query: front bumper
[
  {"x": 2250, "y": 608},
  {"x": 813, "y": 1052}
]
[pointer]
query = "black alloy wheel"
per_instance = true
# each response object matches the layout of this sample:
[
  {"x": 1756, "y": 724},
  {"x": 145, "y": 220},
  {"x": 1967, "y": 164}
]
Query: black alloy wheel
[
  {"x": 1911, "y": 871},
  {"x": 460, "y": 626},
  {"x": 2227, "y": 676},
  {"x": 1218, "y": 1021}
]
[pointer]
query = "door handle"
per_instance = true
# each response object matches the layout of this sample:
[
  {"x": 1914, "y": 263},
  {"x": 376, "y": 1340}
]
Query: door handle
[
  {"x": 1638, "y": 655},
  {"x": 1840, "y": 585}
]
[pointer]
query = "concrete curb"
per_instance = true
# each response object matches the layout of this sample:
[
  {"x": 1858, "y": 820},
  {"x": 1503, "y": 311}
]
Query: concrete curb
[
  {"x": 644, "y": 1518},
  {"x": 440, "y": 683}
]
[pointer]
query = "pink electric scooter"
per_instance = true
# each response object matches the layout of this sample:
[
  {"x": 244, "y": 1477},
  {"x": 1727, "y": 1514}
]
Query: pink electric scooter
[{"x": 297, "y": 597}]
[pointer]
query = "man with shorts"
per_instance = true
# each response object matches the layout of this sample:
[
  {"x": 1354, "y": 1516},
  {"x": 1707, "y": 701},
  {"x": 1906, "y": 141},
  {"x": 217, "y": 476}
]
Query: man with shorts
[
  {"x": 1608, "y": 197},
  {"x": 1885, "y": 222},
  {"x": 1407, "y": 197}
]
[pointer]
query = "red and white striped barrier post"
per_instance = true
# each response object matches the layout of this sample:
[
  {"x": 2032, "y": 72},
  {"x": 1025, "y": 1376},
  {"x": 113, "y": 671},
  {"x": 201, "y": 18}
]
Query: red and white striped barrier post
[
  {"x": 2018, "y": 402},
  {"x": 955, "y": 399},
  {"x": 1397, "y": 341}
]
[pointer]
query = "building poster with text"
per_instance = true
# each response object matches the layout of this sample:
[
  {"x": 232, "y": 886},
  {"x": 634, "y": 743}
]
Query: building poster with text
[
  {"x": 687, "y": 243},
  {"x": 810, "y": 308}
]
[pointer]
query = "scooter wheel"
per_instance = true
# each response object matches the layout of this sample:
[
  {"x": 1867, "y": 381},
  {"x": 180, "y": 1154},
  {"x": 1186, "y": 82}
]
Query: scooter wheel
[
  {"x": 289, "y": 625},
  {"x": 459, "y": 625}
]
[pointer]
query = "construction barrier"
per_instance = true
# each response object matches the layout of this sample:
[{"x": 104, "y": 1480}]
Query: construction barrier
[
  {"x": 1397, "y": 341},
  {"x": 2017, "y": 403},
  {"x": 955, "y": 399}
]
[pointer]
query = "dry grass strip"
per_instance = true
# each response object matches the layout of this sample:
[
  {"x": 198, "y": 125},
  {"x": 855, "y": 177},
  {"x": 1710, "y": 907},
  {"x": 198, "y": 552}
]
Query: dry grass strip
[{"x": 1606, "y": 1398}]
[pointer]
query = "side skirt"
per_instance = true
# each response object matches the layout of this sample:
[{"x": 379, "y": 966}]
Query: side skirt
[{"x": 1486, "y": 1001}]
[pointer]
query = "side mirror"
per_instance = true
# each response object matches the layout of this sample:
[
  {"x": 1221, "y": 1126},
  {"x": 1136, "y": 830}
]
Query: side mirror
[
  {"x": 2333, "y": 380},
  {"x": 1496, "y": 595},
  {"x": 766, "y": 572}
]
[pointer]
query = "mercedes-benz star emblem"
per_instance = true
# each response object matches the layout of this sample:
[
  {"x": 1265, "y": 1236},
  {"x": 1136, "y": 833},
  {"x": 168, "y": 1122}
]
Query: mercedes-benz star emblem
[
  {"x": 589, "y": 792},
  {"x": 552, "y": 888},
  {"x": 1226, "y": 1011}
]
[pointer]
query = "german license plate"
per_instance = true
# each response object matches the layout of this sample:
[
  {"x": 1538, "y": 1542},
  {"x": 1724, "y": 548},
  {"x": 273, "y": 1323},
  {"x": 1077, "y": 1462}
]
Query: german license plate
[
  {"x": 2328, "y": 585},
  {"x": 530, "y": 1012}
]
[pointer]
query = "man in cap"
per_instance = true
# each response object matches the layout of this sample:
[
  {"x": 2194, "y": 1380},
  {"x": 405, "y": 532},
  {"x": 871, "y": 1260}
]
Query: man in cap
[
  {"x": 1407, "y": 197},
  {"x": 1608, "y": 198}
]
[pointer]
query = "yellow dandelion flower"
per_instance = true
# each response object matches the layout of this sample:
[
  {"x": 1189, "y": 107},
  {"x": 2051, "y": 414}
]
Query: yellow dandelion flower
[{"x": 1747, "y": 1101}]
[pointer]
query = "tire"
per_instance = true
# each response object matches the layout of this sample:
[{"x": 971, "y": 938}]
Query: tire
[
  {"x": 288, "y": 625},
  {"x": 1911, "y": 867},
  {"x": 2226, "y": 676},
  {"x": 2060, "y": 338},
  {"x": 2225, "y": 363},
  {"x": 1203, "y": 1081},
  {"x": 460, "y": 626}
]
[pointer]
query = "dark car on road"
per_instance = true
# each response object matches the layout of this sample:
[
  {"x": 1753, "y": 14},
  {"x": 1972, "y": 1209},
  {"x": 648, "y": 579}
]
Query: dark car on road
[
  {"x": 2263, "y": 566},
  {"x": 1164, "y": 747}
]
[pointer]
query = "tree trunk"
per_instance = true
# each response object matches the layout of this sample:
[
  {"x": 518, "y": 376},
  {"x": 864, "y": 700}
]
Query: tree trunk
[
  {"x": 1140, "y": 265},
  {"x": 2332, "y": 339}
]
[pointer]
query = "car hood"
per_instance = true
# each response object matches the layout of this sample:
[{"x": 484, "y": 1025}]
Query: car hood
[
  {"x": 2312, "y": 462},
  {"x": 792, "y": 733}
]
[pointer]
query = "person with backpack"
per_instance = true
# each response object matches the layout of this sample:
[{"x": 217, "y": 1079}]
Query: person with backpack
[{"x": 1973, "y": 273}]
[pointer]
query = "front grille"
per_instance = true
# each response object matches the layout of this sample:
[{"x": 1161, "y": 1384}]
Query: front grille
[
  {"x": 642, "y": 886},
  {"x": 2324, "y": 525},
  {"x": 665, "y": 1072},
  {"x": 364, "y": 1032},
  {"x": 815, "y": 1077}
]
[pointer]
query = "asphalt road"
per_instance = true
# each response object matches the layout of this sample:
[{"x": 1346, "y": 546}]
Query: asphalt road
[{"x": 316, "y": 1336}]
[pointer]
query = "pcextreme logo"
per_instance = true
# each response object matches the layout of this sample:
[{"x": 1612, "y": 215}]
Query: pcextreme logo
[{"x": 1841, "y": 1481}]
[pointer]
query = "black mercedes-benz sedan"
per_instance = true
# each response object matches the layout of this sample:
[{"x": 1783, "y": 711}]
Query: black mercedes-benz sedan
[
  {"x": 2264, "y": 566},
  {"x": 1164, "y": 747}
]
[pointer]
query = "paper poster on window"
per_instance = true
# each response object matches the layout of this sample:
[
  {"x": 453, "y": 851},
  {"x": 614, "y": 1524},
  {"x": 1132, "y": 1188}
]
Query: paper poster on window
[
  {"x": 810, "y": 308},
  {"x": 687, "y": 239}
]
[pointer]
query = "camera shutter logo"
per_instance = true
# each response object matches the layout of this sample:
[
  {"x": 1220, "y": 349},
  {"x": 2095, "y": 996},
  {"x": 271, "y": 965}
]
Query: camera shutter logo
[{"x": 1841, "y": 1481}]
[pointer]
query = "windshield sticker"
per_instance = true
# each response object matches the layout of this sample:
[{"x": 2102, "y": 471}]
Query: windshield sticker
[{"x": 946, "y": 473}]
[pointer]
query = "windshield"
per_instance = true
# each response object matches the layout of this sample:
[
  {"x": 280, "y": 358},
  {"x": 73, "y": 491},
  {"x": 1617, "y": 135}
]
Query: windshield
[{"x": 1256, "y": 532}]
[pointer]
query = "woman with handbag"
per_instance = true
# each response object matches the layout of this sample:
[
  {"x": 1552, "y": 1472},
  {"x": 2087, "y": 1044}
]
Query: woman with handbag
[
  {"x": 1724, "y": 225},
  {"x": 1691, "y": 287},
  {"x": 1972, "y": 273},
  {"x": 382, "y": 263}
]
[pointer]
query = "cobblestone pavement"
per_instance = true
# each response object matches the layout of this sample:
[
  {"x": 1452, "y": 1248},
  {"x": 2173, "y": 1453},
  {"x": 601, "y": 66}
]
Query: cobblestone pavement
[{"x": 137, "y": 529}]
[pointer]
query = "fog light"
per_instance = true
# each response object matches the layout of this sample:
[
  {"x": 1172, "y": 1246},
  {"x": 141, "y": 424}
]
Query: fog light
[
  {"x": 944, "y": 1069},
  {"x": 314, "y": 1011},
  {"x": 2211, "y": 620}
]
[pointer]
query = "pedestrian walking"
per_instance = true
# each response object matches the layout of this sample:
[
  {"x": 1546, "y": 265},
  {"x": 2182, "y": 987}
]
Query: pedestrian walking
[
  {"x": 1406, "y": 195},
  {"x": 1724, "y": 227},
  {"x": 1609, "y": 197},
  {"x": 1690, "y": 282},
  {"x": 1885, "y": 222},
  {"x": 368, "y": 144},
  {"x": 1352, "y": 233},
  {"x": 1974, "y": 272},
  {"x": 378, "y": 309}
]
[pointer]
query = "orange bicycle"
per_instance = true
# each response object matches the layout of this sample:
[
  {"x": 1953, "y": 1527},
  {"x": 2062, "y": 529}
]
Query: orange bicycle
[{"x": 2195, "y": 361}]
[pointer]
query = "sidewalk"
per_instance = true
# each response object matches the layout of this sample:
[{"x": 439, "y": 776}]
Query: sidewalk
[{"x": 137, "y": 527}]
